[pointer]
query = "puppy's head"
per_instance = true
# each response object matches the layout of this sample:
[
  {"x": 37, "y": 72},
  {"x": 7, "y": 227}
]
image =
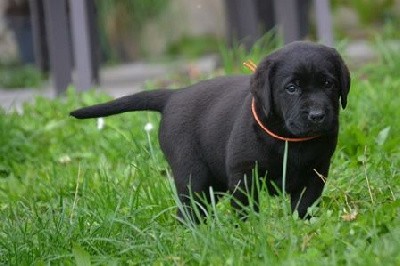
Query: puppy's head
[{"x": 302, "y": 85}]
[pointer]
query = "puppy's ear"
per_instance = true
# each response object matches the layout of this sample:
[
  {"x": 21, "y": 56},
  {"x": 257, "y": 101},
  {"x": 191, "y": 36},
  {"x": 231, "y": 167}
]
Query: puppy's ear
[
  {"x": 344, "y": 78},
  {"x": 344, "y": 84},
  {"x": 261, "y": 83}
]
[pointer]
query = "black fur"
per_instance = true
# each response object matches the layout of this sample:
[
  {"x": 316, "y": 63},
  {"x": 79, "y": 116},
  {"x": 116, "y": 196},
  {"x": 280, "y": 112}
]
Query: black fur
[{"x": 210, "y": 138}]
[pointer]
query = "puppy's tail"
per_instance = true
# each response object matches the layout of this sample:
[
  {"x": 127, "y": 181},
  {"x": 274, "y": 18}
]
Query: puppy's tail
[{"x": 143, "y": 101}]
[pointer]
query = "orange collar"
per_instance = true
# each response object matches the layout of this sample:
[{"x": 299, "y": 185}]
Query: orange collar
[{"x": 272, "y": 134}]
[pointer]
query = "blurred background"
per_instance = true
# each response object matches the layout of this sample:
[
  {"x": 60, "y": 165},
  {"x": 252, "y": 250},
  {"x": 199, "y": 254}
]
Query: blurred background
[{"x": 44, "y": 43}]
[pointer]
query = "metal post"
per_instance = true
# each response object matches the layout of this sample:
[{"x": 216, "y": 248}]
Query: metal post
[
  {"x": 39, "y": 35},
  {"x": 242, "y": 21},
  {"x": 81, "y": 41},
  {"x": 266, "y": 16},
  {"x": 324, "y": 22},
  {"x": 287, "y": 18},
  {"x": 94, "y": 41},
  {"x": 59, "y": 43}
]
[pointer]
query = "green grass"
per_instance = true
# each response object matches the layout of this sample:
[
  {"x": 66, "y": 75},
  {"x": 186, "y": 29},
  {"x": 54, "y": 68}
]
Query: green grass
[
  {"x": 19, "y": 76},
  {"x": 193, "y": 47},
  {"x": 73, "y": 194},
  {"x": 233, "y": 59}
]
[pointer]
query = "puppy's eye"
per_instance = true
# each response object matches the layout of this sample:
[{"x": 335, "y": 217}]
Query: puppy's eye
[
  {"x": 328, "y": 84},
  {"x": 292, "y": 89}
]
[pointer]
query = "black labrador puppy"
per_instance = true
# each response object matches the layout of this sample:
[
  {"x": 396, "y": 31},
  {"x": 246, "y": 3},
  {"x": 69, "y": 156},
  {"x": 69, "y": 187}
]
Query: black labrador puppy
[{"x": 216, "y": 132}]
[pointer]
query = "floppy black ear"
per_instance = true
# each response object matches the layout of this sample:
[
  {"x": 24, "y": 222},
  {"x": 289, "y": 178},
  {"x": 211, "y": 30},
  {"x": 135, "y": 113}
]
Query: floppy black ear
[
  {"x": 261, "y": 82},
  {"x": 344, "y": 83},
  {"x": 344, "y": 78}
]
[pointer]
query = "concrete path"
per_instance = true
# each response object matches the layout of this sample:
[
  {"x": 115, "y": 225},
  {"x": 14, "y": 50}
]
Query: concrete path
[
  {"x": 116, "y": 80},
  {"x": 127, "y": 79}
]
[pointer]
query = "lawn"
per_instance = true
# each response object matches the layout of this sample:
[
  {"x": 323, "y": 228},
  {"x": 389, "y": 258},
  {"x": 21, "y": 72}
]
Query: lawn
[{"x": 74, "y": 192}]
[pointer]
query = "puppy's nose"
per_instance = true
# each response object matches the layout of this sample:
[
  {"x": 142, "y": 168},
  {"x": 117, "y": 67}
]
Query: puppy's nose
[{"x": 316, "y": 116}]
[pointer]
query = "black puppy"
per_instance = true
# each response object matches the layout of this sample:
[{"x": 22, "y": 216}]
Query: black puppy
[{"x": 215, "y": 132}]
